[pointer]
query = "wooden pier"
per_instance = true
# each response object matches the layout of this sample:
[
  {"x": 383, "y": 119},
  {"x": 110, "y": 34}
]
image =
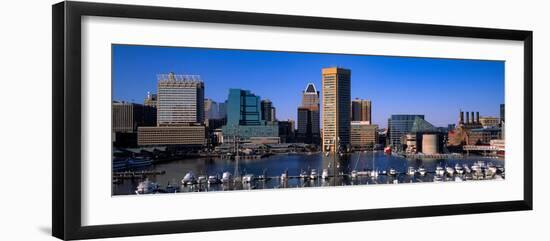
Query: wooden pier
[{"x": 136, "y": 174}]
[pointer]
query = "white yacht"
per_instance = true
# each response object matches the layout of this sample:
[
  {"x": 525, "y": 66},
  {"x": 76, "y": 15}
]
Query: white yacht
[
  {"x": 374, "y": 173},
  {"x": 284, "y": 176},
  {"x": 214, "y": 179},
  {"x": 146, "y": 187},
  {"x": 491, "y": 169},
  {"x": 202, "y": 179},
  {"x": 450, "y": 170},
  {"x": 325, "y": 175},
  {"x": 476, "y": 167},
  {"x": 467, "y": 169},
  {"x": 303, "y": 174},
  {"x": 353, "y": 174},
  {"x": 248, "y": 178},
  {"x": 411, "y": 171},
  {"x": 459, "y": 169},
  {"x": 392, "y": 172},
  {"x": 188, "y": 179},
  {"x": 439, "y": 171},
  {"x": 313, "y": 175},
  {"x": 422, "y": 171},
  {"x": 226, "y": 177}
]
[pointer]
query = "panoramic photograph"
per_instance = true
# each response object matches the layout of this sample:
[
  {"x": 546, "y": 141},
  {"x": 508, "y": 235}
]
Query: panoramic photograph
[{"x": 187, "y": 119}]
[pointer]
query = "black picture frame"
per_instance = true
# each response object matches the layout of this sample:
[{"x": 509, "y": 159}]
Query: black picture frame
[{"x": 66, "y": 127}]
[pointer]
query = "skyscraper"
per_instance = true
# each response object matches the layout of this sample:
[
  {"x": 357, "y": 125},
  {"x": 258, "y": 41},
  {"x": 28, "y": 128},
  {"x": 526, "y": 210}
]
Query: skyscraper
[
  {"x": 502, "y": 113},
  {"x": 180, "y": 99},
  {"x": 211, "y": 109},
  {"x": 361, "y": 110},
  {"x": 268, "y": 111},
  {"x": 336, "y": 107},
  {"x": 180, "y": 113},
  {"x": 310, "y": 97},
  {"x": 150, "y": 100},
  {"x": 222, "y": 109},
  {"x": 366, "y": 111},
  {"x": 308, "y": 116}
]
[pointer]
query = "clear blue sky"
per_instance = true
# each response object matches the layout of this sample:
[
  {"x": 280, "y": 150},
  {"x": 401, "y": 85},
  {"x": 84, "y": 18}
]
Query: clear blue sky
[{"x": 437, "y": 88}]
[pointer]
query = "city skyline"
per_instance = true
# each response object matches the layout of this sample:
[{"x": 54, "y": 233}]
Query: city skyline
[{"x": 395, "y": 85}]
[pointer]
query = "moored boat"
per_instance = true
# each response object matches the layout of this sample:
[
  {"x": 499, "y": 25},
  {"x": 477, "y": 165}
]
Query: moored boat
[
  {"x": 226, "y": 177},
  {"x": 213, "y": 179},
  {"x": 146, "y": 187},
  {"x": 439, "y": 171},
  {"x": 353, "y": 174},
  {"x": 202, "y": 179},
  {"x": 450, "y": 170},
  {"x": 188, "y": 179},
  {"x": 392, "y": 172},
  {"x": 313, "y": 175},
  {"x": 422, "y": 171},
  {"x": 411, "y": 171},
  {"x": 325, "y": 175},
  {"x": 303, "y": 174},
  {"x": 467, "y": 169},
  {"x": 248, "y": 178},
  {"x": 284, "y": 176}
]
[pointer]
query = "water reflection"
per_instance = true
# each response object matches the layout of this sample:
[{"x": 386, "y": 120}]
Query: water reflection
[{"x": 355, "y": 169}]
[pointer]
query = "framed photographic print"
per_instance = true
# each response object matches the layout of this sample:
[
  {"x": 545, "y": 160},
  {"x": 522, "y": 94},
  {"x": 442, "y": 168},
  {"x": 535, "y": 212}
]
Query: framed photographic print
[{"x": 170, "y": 120}]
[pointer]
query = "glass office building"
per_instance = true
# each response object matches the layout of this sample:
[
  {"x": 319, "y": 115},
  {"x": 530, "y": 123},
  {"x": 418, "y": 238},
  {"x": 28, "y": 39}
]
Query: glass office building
[
  {"x": 400, "y": 125},
  {"x": 244, "y": 119}
]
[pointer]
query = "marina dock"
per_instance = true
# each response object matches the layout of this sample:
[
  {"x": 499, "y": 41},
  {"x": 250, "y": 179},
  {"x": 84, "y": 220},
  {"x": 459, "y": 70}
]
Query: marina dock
[{"x": 136, "y": 174}]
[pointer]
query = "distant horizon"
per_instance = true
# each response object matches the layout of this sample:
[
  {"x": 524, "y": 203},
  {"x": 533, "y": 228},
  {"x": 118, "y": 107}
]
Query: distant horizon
[{"x": 434, "y": 87}]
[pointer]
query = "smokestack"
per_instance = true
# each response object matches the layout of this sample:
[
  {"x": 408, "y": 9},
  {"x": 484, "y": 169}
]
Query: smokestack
[
  {"x": 461, "y": 120},
  {"x": 472, "y": 116},
  {"x": 467, "y": 117},
  {"x": 477, "y": 117}
]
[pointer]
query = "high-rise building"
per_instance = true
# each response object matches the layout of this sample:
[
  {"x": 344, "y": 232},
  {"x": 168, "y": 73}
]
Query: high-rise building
[
  {"x": 126, "y": 117},
  {"x": 286, "y": 131},
  {"x": 150, "y": 100},
  {"x": 308, "y": 116},
  {"x": 244, "y": 118},
  {"x": 363, "y": 135},
  {"x": 273, "y": 114},
  {"x": 502, "y": 113},
  {"x": 336, "y": 107},
  {"x": 398, "y": 126},
  {"x": 310, "y": 97},
  {"x": 211, "y": 109},
  {"x": 268, "y": 111},
  {"x": 180, "y": 99},
  {"x": 180, "y": 113},
  {"x": 361, "y": 110},
  {"x": 222, "y": 109}
]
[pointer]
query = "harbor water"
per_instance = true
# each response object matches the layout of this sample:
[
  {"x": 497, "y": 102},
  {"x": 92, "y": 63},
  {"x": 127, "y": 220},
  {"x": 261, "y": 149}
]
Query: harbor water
[{"x": 339, "y": 167}]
